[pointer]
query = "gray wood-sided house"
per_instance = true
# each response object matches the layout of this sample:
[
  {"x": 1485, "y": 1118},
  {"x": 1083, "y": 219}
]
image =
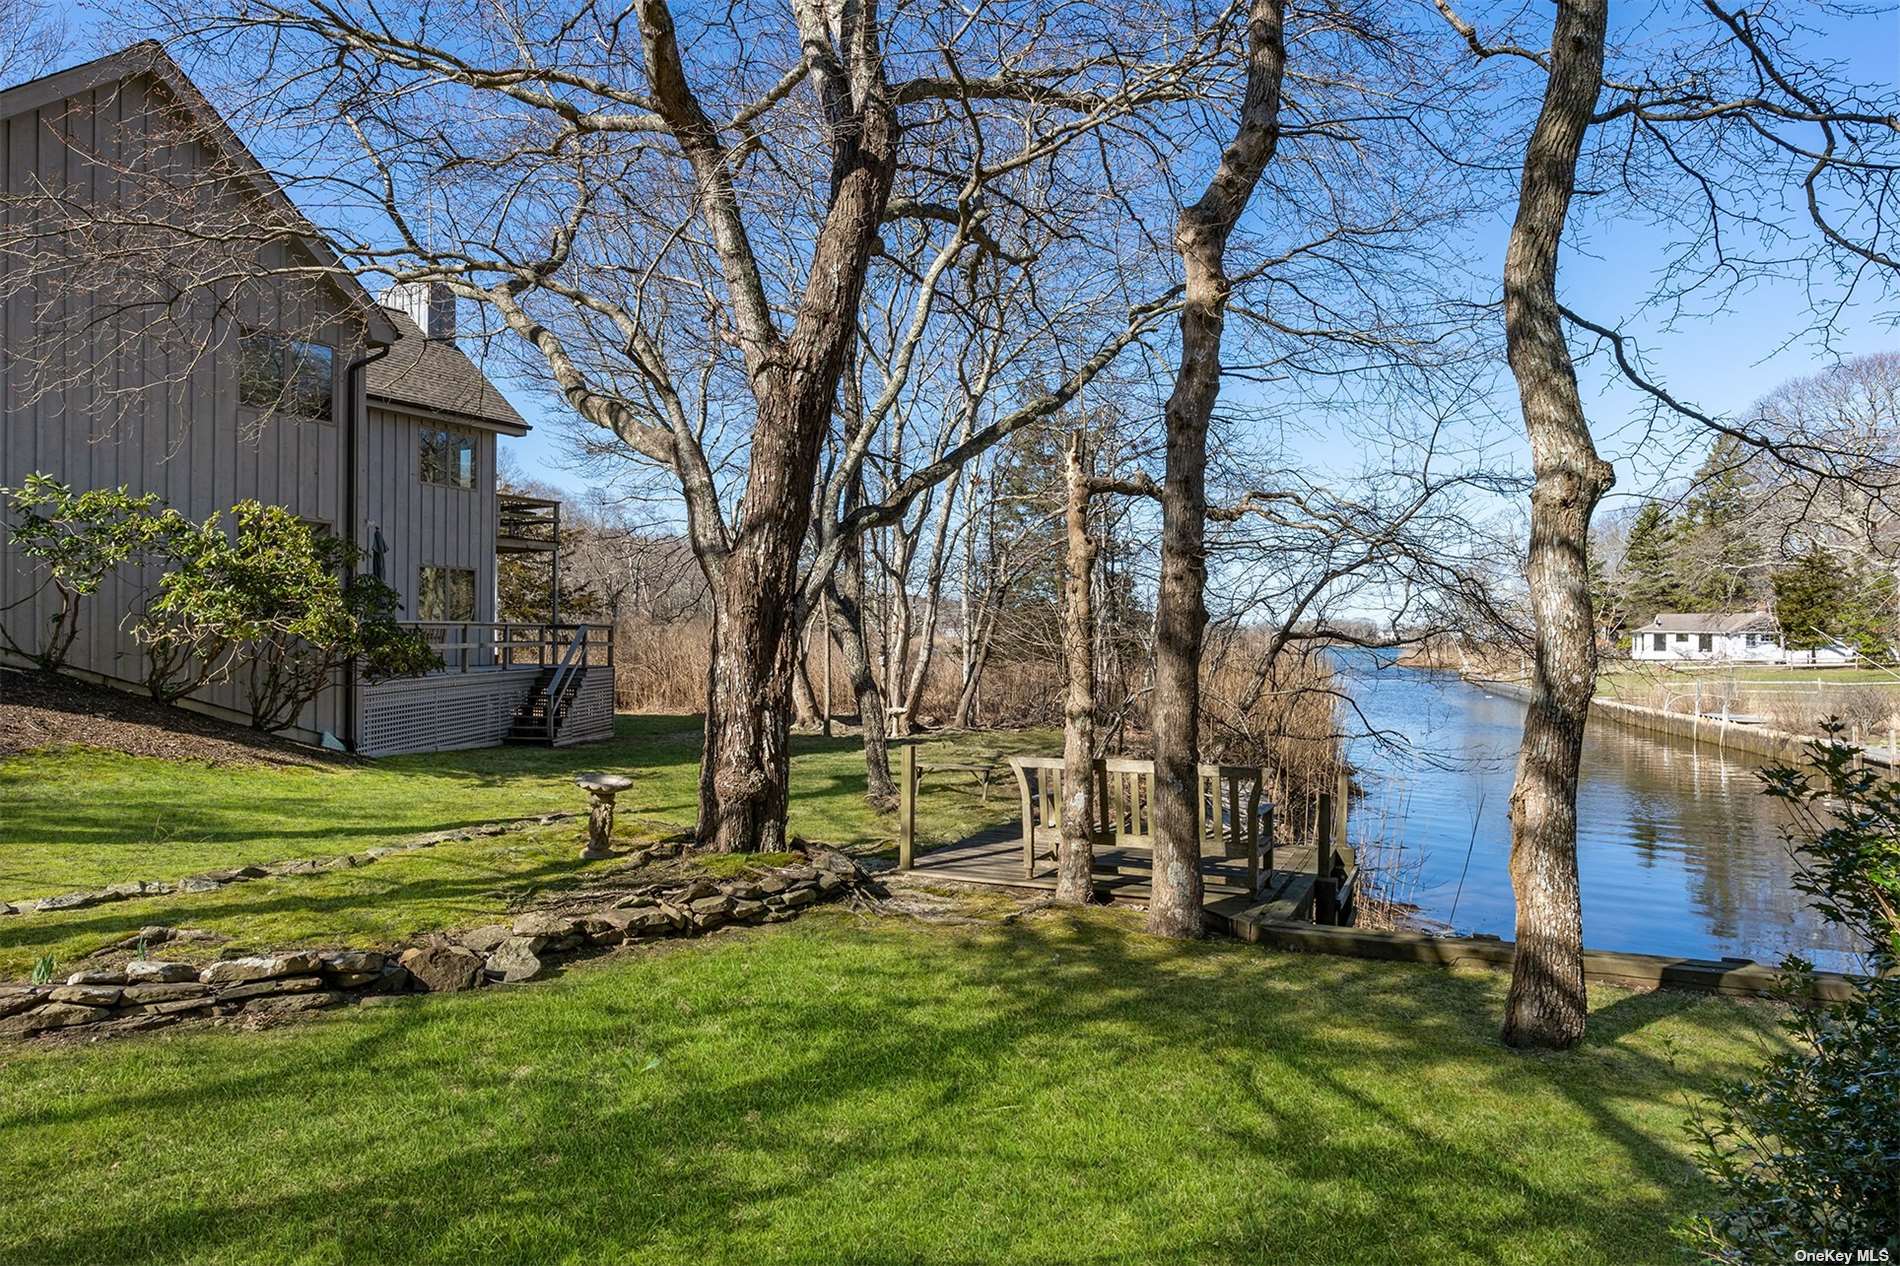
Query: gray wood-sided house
[{"x": 292, "y": 386}]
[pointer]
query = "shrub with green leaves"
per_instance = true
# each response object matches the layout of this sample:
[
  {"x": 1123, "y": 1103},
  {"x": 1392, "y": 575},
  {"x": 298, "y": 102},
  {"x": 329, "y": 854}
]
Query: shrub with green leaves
[
  {"x": 275, "y": 601},
  {"x": 78, "y": 539},
  {"x": 1806, "y": 1153}
]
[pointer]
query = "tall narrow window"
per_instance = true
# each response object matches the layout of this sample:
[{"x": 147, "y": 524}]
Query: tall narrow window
[
  {"x": 1660, "y": 642},
  {"x": 282, "y": 375},
  {"x": 445, "y": 593},
  {"x": 1705, "y": 642},
  {"x": 448, "y": 458}
]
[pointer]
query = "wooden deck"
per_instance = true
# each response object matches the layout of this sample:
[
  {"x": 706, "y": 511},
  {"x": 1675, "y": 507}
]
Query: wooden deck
[{"x": 995, "y": 858}]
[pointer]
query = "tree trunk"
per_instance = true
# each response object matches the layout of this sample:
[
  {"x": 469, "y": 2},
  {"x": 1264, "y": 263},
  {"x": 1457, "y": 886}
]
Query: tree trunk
[
  {"x": 847, "y": 620},
  {"x": 1180, "y": 613},
  {"x": 746, "y": 760},
  {"x": 804, "y": 699},
  {"x": 1075, "y": 854},
  {"x": 1546, "y": 1006}
]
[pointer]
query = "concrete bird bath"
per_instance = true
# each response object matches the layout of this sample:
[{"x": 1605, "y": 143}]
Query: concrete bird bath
[{"x": 601, "y": 790}]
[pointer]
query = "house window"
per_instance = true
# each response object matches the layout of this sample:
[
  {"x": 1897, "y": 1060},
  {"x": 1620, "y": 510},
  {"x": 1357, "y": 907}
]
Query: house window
[
  {"x": 448, "y": 458},
  {"x": 1681, "y": 638},
  {"x": 445, "y": 593},
  {"x": 1751, "y": 640},
  {"x": 282, "y": 375},
  {"x": 1705, "y": 642},
  {"x": 1659, "y": 642}
]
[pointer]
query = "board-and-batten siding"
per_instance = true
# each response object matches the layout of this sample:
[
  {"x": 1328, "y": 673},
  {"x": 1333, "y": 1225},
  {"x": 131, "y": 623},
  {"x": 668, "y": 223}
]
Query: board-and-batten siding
[
  {"x": 425, "y": 524},
  {"x": 115, "y": 410}
]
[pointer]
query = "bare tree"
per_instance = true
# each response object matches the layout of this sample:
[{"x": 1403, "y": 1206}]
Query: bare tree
[{"x": 1180, "y": 614}]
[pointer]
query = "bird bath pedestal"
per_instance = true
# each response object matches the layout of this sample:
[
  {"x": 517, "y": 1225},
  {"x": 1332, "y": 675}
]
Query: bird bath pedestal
[{"x": 601, "y": 790}]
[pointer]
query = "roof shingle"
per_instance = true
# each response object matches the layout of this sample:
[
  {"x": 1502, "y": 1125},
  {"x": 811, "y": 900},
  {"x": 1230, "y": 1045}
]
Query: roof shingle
[{"x": 436, "y": 375}]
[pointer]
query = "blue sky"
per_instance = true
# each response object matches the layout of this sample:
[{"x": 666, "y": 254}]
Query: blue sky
[{"x": 1720, "y": 363}]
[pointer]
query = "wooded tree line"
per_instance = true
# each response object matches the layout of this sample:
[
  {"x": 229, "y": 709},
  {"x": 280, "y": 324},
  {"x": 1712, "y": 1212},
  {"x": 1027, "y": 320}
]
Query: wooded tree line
[
  {"x": 835, "y": 284},
  {"x": 1750, "y": 532}
]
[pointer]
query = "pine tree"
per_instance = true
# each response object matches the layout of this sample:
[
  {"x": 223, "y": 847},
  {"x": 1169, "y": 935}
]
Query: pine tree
[{"x": 1650, "y": 578}]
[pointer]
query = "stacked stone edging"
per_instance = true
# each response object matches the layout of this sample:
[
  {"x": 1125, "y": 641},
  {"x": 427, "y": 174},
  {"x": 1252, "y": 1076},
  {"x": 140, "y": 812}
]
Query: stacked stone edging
[
  {"x": 150, "y": 993},
  {"x": 212, "y": 880}
]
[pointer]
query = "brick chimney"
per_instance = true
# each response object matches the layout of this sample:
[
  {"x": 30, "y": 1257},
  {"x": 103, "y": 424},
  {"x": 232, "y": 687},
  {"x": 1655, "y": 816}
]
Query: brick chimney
[{"x": 430, "y": 304}]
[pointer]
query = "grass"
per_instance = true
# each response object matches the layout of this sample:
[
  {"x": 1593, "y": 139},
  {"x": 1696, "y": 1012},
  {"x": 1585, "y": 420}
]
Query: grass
[
  {"x": 83, "y": 819},
  {"x": 1061, "y": 1089}
]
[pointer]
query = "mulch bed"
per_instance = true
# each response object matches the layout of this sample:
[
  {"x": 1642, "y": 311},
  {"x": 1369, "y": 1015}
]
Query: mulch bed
[{"x": 40, "y": 711}]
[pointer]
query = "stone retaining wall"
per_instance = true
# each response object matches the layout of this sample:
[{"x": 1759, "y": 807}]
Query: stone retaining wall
[{"x": 148, "y": 993}]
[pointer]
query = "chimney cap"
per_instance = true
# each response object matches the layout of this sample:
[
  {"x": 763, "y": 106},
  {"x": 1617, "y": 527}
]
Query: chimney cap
[{"x": 430, "y": 304}]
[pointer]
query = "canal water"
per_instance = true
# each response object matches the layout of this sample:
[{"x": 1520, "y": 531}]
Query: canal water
[{"x": 1679, "y": 852}]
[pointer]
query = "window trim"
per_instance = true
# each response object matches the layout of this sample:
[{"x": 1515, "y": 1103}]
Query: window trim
[
  {"x": 460, "y": 437},
  {"x": 447, "y": 570},
  {"x": 290, "y": 349}
]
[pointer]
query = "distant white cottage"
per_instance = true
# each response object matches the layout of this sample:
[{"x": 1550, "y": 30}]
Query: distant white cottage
[{"x": 1745, "y": 637}]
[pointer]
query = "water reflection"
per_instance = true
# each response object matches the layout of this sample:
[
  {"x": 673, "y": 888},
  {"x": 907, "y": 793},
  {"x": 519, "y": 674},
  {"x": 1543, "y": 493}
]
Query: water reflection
[{"x": 1678, "y": 850}]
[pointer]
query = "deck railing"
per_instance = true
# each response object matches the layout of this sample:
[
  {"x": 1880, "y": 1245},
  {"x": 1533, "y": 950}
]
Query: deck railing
[{"x": 471, "y": 646}]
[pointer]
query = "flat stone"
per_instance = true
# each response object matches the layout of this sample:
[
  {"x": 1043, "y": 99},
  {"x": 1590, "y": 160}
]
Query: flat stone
[
  {"x": 829, "y": 883},
  {"x": 271, "y": 988},
  {"x": 719, "y": 903},
  {"x": 773, "y": 883},
  {"x": 7, "y": 908},
  {"x": 137, "y": 888},
  {"x": 235, "y": 971},
  {"x": 53, "y": 1015},
  {"x": 484, "y": 939},
  {"x": 70, "y": 901},
  {"x": 199, "y": 883},
  {"x": 747, "y": 911},
  {"x": 152, "y": 971},
  {"x": 443, "y": 968},
  {"x": 137, "y": 1022},
  {"x": 353, "y": 979},
  {"x": 799, "y": 874},
  {"x": 17, "y": 998},
  {"x": 175, "y": 1006},
  {"x": 696, "y": 890},
  {"x": 292, "y": 1005},
  {"x": 88, "y": 995},
  {"x": 744, "y": 890},
  {"x": 170, "y": 991},
  {"x": 538, "y": 923},
  {"x": 251, "y": 872},
  {"x": 516, "y": 959},
  {"x": 610, "y": 926},
  {"x": 795, "y": 898},
  {"x": 633, "y": 902},
  {"x": 492, "y": 828},
  {"x": 98, "y": 976},
  {"x": 353, "y": 962}
]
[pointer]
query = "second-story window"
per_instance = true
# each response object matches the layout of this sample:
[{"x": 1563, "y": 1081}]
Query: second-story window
[
  {"x": 286, "y": 376},
  {"x": 448, "y": 458}
]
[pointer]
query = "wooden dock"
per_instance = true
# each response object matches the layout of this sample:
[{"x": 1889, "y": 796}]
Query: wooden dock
[{"x": 995, "y": 858}]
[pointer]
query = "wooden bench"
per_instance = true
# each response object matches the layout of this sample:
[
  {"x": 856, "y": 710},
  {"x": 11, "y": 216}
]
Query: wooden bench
[{"x": 1234, "y": 820}]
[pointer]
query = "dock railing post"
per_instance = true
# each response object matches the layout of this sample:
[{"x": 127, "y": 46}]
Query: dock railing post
[
  {"x": 906, "y": 804},
  {"x": 1323, "y": 896}
]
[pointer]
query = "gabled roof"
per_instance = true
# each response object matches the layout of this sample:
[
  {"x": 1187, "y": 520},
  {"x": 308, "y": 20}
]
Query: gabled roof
[
  {"x": 1712, "y": 622},
  {"x": 435, "y": 376},
  {"x": 150, "y": 59}
]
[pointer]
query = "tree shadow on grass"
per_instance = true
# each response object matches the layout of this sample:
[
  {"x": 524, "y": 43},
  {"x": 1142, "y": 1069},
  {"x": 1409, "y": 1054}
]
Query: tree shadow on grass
[{"x": 1057, "y": 1089}]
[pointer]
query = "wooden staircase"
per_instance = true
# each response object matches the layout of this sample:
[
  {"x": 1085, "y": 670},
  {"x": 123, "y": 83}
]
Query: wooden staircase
[{"x": 538, "y": 721}]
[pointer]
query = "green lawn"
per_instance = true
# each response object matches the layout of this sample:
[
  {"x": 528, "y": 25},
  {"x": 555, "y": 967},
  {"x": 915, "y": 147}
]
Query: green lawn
[
  {"x": 143, "y": 818},
  {"x": 81, "y": 819},
  {"x": 845, "y": 1089}
]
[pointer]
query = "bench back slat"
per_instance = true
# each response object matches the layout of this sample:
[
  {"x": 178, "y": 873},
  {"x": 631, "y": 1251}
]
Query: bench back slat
[{"x": 1228, "y": 799}]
